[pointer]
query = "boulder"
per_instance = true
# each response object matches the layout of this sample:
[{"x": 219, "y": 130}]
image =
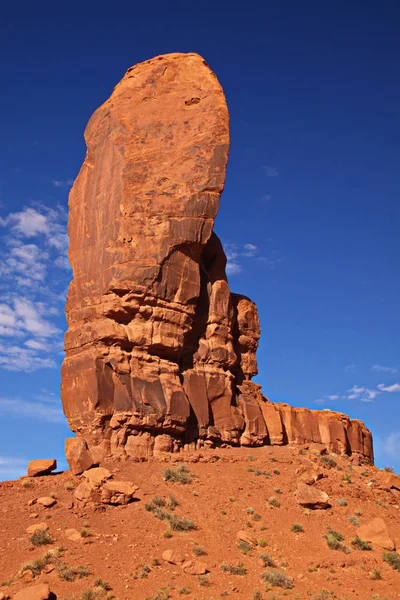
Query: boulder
[
  {"x": 47, "y": 501},
  {"x": 78, "y": 455},
  {"x": 117, "y": 492},
  {"x": 41, "y": 591},
  {"x": 41, "y": 466},
  {"x": 376, "y": 532},
  {"x": 95, "y": 477},
  {"x": 37, "y": 527},
  {"x": 390, "y": 481},
  {"x": 194, "y": 567},
  {"x": 310, "y": 497},
  {"x": 73, "y": 535},
  {"x": 173, "y": 557}
]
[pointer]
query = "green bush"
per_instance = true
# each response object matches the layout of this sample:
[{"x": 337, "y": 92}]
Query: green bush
[{"x": 277, "y": 578}]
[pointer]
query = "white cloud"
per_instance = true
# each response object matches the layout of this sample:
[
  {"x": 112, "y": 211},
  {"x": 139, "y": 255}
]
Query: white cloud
[
  {"x": 389, "y": 388},
  {"x": 41, "y": 411},
  {"x": 383, "y": 369},
  {"x": 236, "y": 255},
  {"x": 62, "y": 183},
  {"x": 333, "y": 397},
  {"x": 271, "y": 171},
  {"x": 33, "y": 245},
  {"x": 233, "y": 268},
  {"x": 249, "y": 250}
]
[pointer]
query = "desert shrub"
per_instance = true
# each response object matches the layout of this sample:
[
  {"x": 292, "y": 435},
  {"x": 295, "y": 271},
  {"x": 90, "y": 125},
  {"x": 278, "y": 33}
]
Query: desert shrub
[
  {"x": 389, "y": 469},
  {"x": 250, "y": 511},
  {"x": 257, "y": 595},
  {"x": 256, "y": 517},
  {"x": 267, "y": 560},
  {"x": 244, "y": 547},
  {"x": 341, "y": 501},
  {"x": 239, "y": 569},
  {"x": 38, "y": 565},
  {"x": 324, "y": 595},
  {"x": 88, "y": 595},
  {"x": 41, "y": 538},
  {"x": 392, "y": 559},
  {"x": 156, "y": 563},
  {"x": 158, "y": 501},
  {"x": 329, "y": 460},
  {"x": 334, "y": 539},
  {"x": 171, "y": 502},
  {"x": 346, "y": 478},
  {"x": 198, "y": 551},
  {"x": 375, "y": 574},
  {"x": 180, "y": 475},
  {"x": 353, "y": 520},
  {"x": 273, "y": 501},
  {"x": 262, "y": 542},
  {"x": 380, "y": 503},
  {"x": 181, "y": 524},
  {"x": 85, "y": 533},
  {"x": 276, "y": 472},
  {"x": 359, "y": 544},
  {"x": 167, "y": 534},
  {"x": 184, "y": 591},
  {"x": 297, "y": 528},
  {"x": 102, "y": 584},
  {"x": 204, "y": 580},
  {"x": 278, "y": 491},
  {"x": 72, "y": 573},
  {"x": 69, "y": 486},
  {"x": 27, "y": 484},
  {"x": 277, "y": 578}
]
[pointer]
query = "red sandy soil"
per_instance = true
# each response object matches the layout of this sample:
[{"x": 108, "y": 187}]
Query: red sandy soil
[{"x": 226, "y": 489}]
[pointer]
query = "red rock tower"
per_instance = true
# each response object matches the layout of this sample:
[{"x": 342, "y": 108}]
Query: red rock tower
[{"x": 159, "y": 353}]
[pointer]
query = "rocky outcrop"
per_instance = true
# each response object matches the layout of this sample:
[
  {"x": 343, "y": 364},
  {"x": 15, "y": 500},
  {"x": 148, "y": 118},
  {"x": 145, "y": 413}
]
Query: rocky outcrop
[
  {"x": 41, "y": 466},
  {"x": 159, "y": 353}
]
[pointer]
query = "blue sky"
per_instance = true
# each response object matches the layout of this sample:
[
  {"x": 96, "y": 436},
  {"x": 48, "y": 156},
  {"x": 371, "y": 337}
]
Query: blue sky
[{"x": 309, "y": 217}]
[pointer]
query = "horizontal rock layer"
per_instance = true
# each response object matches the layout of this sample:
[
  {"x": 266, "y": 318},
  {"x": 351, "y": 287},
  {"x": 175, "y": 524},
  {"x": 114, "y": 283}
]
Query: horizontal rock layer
[{"x": 159, "y": 352}]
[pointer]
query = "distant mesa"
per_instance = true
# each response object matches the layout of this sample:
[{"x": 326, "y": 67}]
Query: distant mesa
[{"x": 160, "y": 354}]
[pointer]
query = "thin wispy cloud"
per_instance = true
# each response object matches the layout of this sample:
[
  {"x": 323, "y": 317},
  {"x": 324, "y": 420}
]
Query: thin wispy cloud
[
  {"x": 237, "y": 257},
  {"x": 12, "y": 467},
  {"x": 38, "y": 410},
  {"x": 271, "y": 171},
  {"x": 361, "y": 393},
  {"x": 395, "y": 387},
  {"x": 62, "y": 182},
  {"x": 383, "y": 369},
  {"x": 33, "y": 277}
]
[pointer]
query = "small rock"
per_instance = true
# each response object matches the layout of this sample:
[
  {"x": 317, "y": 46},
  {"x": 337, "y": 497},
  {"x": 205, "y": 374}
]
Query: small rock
[
  {"x": 73, "y": 535},
  {"x": 33, "y": 515},
  {"x": 117, "y": 492},
  {"x": 78, "y": 455},
  {"x": 96, "y": 476},
  {"x": 27, "y": 576},
  {"x": 37, "y": 527},
  {"x": 194, "y": 567},
  {"x": 173, "y": 557},
  {"x": 310, "y": 497},
  {"x": 34, "y": 592},
  {"x": 47, "y": 501},
  {"x": 390, "y": 481},
  {"x": 376, "y": 532},
  {"x": 41, "y": 467}
]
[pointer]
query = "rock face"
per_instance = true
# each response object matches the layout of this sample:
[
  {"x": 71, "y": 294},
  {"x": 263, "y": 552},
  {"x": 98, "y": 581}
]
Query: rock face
[{"x": 159, "y": 353}]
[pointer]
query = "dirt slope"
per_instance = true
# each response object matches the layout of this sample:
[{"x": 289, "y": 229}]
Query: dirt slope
[{"x": 231, "y": 490}]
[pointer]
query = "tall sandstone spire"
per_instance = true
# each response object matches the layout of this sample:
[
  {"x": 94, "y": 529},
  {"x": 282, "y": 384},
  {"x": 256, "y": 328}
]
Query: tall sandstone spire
[{"x": 159, "y": 353}]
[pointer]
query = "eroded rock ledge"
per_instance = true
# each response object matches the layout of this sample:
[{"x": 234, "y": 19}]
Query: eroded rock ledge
[{"x": 159, "y": 353}]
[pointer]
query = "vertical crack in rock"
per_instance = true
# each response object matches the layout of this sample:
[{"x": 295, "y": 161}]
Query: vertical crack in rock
[{"x": 159, "y": 353}]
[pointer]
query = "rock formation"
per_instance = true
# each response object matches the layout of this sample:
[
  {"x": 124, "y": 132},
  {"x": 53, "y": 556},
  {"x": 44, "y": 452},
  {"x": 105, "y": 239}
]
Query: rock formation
[{"x": 159, "y": 353}]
